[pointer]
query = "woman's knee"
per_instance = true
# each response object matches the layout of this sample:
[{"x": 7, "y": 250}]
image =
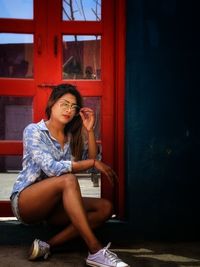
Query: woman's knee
[
  {"x": 106, "y": 208},
  {"x": 69, "y": 181}
]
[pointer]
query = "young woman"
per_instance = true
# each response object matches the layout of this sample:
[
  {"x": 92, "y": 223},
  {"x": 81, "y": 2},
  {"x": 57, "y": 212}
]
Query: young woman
[{"x": 47, "y": 189}]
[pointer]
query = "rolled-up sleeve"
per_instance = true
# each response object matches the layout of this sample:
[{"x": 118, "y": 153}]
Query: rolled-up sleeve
[{"x": 37, "y": 148}]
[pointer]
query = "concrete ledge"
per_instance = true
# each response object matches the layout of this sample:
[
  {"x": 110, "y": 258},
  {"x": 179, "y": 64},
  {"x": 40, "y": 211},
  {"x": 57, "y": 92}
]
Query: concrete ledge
[{"x": 15, "y": 233}]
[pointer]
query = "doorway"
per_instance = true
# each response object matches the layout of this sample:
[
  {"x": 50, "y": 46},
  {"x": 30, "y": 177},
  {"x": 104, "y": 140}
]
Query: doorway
[{"x": 50, "y": 42}]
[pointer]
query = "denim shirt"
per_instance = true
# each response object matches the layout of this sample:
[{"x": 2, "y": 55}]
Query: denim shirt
[{"x": 43, "y": 156}]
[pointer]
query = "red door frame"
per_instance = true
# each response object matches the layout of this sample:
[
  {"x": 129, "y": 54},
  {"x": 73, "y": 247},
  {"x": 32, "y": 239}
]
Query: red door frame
[
  {"x": 113, "y": 79},
  {"x": 120, "y": 61}
]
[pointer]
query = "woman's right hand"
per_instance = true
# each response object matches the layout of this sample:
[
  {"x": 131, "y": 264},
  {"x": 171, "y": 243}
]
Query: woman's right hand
[{"x": 107, "y": 170}]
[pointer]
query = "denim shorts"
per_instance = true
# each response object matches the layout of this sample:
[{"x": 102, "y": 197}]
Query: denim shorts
[{"x": 15, "y": 206}]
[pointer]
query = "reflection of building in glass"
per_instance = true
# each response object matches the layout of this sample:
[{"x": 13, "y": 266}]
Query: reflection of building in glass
[
  {"x": 16, "y": 60},
  {"x": 81, "y": 59},
  {"x": 89, "y": 73}
]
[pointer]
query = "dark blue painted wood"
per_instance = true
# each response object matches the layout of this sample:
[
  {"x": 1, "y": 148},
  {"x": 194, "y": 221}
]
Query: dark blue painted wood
[{"x": 162, "y": 118}]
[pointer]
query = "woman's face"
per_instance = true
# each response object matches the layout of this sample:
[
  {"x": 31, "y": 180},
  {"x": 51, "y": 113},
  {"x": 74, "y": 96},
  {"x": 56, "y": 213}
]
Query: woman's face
[{"x": 65, "y": 108}]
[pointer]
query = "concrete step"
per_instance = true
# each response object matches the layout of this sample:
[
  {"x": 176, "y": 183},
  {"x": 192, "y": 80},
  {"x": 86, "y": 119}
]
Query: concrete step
[{"x": 12, "y": 232}]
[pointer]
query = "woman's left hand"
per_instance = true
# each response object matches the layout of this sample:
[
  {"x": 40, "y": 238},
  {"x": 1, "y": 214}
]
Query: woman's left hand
[{"x": 87, "y": 115}]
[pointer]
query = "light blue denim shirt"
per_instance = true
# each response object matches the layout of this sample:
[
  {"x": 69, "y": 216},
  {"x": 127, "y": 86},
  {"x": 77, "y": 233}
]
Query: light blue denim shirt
[{"x": 42, "y": 156}]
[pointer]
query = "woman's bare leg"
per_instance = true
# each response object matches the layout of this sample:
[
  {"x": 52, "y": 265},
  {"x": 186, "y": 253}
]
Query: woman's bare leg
[
  {"x": 98, "y": 211},
  {"x": 37, "y": 202}
]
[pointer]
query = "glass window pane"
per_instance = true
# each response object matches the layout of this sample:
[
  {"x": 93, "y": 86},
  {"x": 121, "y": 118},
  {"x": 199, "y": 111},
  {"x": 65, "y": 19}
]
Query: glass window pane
[
  {"x": 9, "y": 169},
  {"x": 16, "y": 55},
  {"x": 82, "y": 57},
  {"x": 18, "y": 9},
  {"x": 90, "y": 184},
  {"x": 92, "y": 187},
  {"x": 10, "y": 166},
  {"x": 15, "y": 114},
  {"x": 84, "y": 10}
]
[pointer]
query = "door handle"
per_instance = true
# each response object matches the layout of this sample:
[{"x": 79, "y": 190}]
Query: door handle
[
  {"x": 39, "y": 44},
  {"x": 55, "y": 45},
  {"x": 47, "y": 85}
]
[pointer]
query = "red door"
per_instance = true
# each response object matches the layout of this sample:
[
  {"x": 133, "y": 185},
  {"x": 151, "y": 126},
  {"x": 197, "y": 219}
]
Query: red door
[{"x": 60, "y": 43}]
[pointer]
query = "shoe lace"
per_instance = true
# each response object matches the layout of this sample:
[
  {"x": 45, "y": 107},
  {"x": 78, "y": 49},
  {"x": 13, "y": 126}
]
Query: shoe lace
[
  {"x": 110, "y": 255},
  {"x": 44, "y": 248}
]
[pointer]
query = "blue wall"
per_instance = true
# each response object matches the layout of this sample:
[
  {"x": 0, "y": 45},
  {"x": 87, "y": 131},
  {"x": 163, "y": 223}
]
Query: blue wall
[{"x": 162, "y": 119}]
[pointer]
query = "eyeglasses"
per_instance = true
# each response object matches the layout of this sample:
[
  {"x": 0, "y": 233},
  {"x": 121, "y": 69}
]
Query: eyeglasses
[{"x": 66, "y": 106}]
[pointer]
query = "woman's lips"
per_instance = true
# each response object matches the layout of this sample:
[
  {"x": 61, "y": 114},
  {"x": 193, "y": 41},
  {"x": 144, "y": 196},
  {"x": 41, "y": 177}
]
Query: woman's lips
[{"x": 66, "y": 116}]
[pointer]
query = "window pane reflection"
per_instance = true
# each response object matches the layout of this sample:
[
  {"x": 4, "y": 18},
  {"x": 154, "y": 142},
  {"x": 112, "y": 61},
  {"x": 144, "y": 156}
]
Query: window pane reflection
[
  {"x": 15, "y": 115},
  {"x": 81, "y": 57},
  {"x": 18, "y": 9},
  {"x": 87, "y": 10},
  {"x": 16, "y": 55}
]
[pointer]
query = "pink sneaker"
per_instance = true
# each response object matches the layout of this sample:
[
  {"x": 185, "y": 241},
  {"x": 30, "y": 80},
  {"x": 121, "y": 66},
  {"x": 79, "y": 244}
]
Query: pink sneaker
[{"x": 105, "y": 258}]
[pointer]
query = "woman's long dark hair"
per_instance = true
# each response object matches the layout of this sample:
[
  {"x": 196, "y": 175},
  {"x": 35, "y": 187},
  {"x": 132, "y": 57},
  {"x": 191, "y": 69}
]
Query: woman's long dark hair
[{"x": 74, "y": 127}]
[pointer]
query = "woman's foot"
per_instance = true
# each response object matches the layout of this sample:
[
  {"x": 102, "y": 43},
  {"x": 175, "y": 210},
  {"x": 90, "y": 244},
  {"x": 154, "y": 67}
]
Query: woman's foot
[
  {"x": 105, "y": 258},
  {"x": 39, "y": 249}
]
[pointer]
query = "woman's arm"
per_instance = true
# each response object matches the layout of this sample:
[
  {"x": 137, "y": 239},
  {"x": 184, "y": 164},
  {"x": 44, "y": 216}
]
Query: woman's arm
[
  {"x": 88, "y": 118},
  {"x": 92, "y": 145},
  {"x": 83, "y": 165}
]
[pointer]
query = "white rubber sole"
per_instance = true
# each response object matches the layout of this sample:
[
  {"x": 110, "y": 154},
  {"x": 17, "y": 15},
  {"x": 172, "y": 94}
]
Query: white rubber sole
[
  {"x": 96, "y": 264},
  {"x": 34, "y": 252}
]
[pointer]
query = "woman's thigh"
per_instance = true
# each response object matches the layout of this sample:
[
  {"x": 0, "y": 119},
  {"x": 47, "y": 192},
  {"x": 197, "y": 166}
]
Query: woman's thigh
[
  {"x": 37, "y": 201},
  {"x": 100, "y": 206}
]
